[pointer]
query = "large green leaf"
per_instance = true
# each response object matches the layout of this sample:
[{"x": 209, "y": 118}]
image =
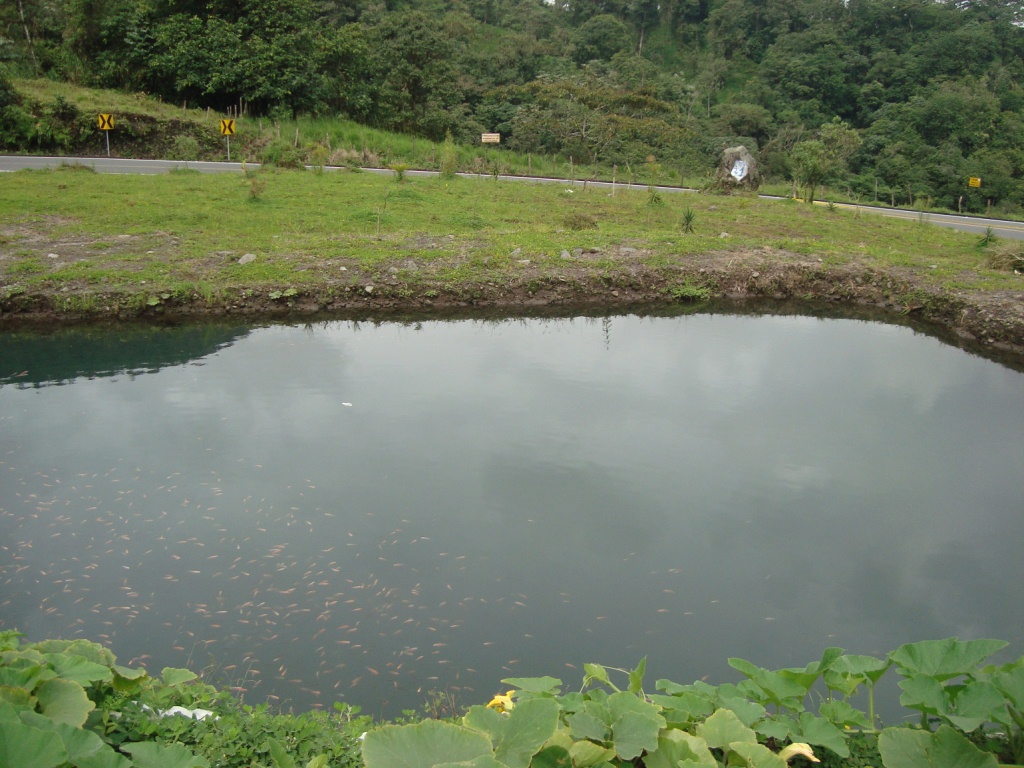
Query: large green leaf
[
  {"x": 22, "y": 746},
  {"x": 423, "y": 745},
  {"x": 675, "y": 746},
  {"x": 535, "y": 684},
  {"x": 17, "y": 697},
  {"x": 807, "y": 676},
  {"x": 778, "y": 727},
  {"x": 748, "y": 712},
  {"x": 944, "y": 659},
  {"x": 910, "y": 748},
  {"x": 486, "y": 720},
  {"x": 724, "y": 728},
  {"x": 526, "y": 729},
  {"x": 78, "y": 668},
  {"x": 842, "y": 713},
  {"x": 484, "y": 761},
  {"x": 126, "y": 679},
  {"x": 152, "y": 755},
  {"x": 586, "y": 726},
  {"x": 64, "y": 701},
  {"x": 690, "y": 704},
  {"x": 757, "y": 756},
  {"x": 1011, "y": 683},
  {"x": 923, "y": 693},
  {"x": 633, "y": 733},
  {"x": 279, "y": 754},
  {"x": 777, "y": 688},
  {"x": 620, "y": 703},
  {"x": 820, "y": 732},
  {"x": 87, "y": 649},
  {"x": 975, "y": 704},
  {"x": 598, "y": 710},
  {"x": 586, "y": 754},
  {"x": 172, "y": 676},
  {"x": 85, "y": 749},
  {"x": 849, "y": 671},
  {"x": 24, "y": 676},
  {"x": 635, "y": 724},
  {"x": 552, "y": 757}
]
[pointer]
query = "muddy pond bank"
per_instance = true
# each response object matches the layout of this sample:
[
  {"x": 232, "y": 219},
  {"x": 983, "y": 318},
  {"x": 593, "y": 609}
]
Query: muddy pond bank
[{"x": 990, "y": 322}]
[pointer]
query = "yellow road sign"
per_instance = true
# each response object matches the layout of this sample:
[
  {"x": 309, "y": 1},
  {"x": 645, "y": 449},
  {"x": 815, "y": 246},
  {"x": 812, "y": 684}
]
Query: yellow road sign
[
  {"x": 974, "y": 181},
  {"x": 227, "y": 127},
  {"x": 106, "y": 122}
]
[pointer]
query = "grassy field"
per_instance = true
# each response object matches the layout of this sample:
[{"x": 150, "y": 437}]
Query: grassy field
[{"x": 80, "y": 234}]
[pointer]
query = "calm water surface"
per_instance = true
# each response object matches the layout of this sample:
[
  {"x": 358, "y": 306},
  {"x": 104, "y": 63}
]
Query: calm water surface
[{"x": 372, "y": 512}]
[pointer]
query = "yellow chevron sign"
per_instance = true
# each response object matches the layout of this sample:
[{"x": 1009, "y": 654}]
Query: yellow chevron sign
[
  {"x": 106, "y": 122},
  {"x": 227, "y": 127}
]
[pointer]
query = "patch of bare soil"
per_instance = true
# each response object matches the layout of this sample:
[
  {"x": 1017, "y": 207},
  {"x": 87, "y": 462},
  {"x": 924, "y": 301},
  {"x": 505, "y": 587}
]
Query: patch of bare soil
[{"x": 438, "y": 274}]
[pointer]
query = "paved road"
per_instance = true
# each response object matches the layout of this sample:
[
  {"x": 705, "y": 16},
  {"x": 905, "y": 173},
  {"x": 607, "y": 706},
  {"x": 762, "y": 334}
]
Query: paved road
[{"x": 1000, "y": 228}]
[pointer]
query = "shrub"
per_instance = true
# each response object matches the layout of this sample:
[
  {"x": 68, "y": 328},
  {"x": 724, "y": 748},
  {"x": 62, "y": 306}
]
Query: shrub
[
  {"x": 578, "y": 220},
  {"x": 449, "y": 158},
  {"x": 1007, "y": 257},
  {"x": 183, "y": 148},
  {"x": 283, "y": 155}
]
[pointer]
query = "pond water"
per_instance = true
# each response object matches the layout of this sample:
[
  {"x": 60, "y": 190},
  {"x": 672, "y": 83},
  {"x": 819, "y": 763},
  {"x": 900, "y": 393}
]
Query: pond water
[{"x": 371, "y": 512}]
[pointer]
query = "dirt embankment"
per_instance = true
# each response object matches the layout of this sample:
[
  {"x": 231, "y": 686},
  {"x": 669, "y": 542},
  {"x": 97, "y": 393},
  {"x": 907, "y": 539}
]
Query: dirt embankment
[{"x": 621, "y": 277}]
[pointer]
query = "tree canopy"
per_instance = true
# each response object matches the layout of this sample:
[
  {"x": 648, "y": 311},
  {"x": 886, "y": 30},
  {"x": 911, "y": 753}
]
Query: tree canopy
[{"x": 930, "y": 88}]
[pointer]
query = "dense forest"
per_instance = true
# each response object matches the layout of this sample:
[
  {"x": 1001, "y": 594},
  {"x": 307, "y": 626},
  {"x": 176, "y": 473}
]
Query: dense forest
[{"x": 900, "y": 101}]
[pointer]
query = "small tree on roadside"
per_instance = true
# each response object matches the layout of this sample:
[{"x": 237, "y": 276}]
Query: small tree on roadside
[
  {"x": 449, "y": 158},
  {"x": 815, "y": 160}
]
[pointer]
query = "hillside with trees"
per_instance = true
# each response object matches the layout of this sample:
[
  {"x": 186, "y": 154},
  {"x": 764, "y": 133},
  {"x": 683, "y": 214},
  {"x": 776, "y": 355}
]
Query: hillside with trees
[{"x": 896, "y": 101}]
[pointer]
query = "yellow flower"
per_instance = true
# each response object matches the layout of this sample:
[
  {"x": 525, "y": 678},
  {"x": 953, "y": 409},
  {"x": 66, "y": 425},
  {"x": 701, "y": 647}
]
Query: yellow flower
[
  {"x": 502, "y": 703},
  {"x": 799, "y": 749}
]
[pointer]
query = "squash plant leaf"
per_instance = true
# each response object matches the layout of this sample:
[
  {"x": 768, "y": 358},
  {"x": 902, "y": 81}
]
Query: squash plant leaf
[
  {"x": 550, "y": 685},
  {"x": 636, "y": 677},
  {"x": 678, "y": 747},
  {"x": 911, "y": 748},
  {"x": 944, "y": 659},
  {"x": 822, "y": 733},
  {"x": 172, "y": 676},
  {"x": 64, "y": 701},
  {"x": 757, "y": 755},
  {"x": 423, "y": 745},
  {"x": 528, "y": 726},
  {"x": 85, "y": 749},
  {"x": 152, "y": 755},
  {"x": 633, "y": 733},
  {"x": 22, "y": 746},
  {"x": 724, "y": 728},
  {"x": 79, "y": 669},
  {"x": 484, "y": 761},
  {"x": 975, "y": 704}
]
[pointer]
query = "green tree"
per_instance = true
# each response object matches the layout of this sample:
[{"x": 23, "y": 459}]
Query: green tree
[
  {"x": 816, "y": 160},
  {"x": 601, "y": 37},
  {"x": 414, "y": 77}
]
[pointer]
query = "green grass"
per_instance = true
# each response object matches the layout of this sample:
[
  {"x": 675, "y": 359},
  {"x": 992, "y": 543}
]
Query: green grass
[{"x": 183, "y": 234}]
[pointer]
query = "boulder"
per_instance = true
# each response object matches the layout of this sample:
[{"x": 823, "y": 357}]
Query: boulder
[{"x": 738, "y": 170}]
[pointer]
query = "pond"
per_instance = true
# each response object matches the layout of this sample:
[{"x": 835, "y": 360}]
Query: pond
[{"x": 388, "y": 513}]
